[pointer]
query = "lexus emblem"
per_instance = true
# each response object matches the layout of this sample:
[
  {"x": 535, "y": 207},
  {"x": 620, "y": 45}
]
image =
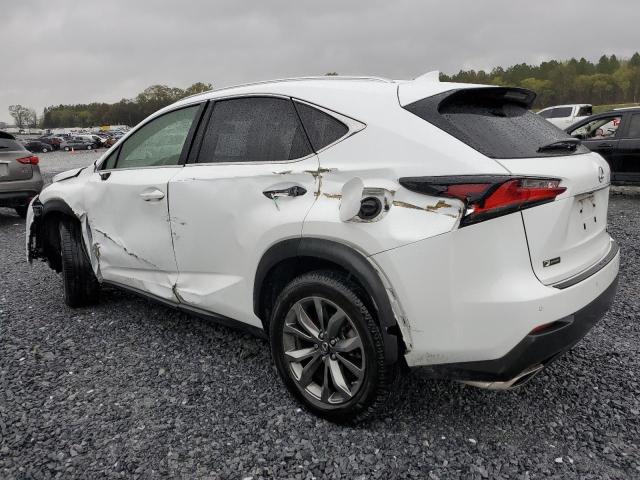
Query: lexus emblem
[{"x": 601, "y": 174}]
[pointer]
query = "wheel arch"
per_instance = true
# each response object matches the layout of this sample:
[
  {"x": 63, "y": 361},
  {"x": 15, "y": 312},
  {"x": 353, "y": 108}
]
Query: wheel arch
[
  {"x": 289, "y": 258},
  {"x": 53, "y": 211}
]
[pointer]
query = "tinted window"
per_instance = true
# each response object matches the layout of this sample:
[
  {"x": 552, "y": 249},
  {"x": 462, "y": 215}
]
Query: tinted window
[
  {"x": 159, "y": 142},
  {"x": 9, "y": 144},
  {"x": 495, "y": 121},
  {"x": 562, "y": 112},
  {"x": 547, "y": 113},
  {"x": 253, "y": 129},
  {"x": 634, "y": 126},
  {"x": 606, "y": 127},
  {"x": 321, "y": 128},
  {"x": 585, "y": 111}
]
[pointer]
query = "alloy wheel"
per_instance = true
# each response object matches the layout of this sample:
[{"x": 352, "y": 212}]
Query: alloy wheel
[{"x": 324, "y": 351}]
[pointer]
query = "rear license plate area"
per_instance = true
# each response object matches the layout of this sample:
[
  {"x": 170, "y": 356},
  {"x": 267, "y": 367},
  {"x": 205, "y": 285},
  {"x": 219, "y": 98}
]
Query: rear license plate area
[
  {"x": 4, "y": 170},
  {"x": 590, "y": 212}
]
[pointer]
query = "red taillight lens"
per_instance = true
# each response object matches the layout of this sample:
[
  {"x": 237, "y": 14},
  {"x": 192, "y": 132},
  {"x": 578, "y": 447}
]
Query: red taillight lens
[
  {"x": 520, "y": 192},
  {"x": 488, "y": 196},
  {"x": 32, "y": 160}
]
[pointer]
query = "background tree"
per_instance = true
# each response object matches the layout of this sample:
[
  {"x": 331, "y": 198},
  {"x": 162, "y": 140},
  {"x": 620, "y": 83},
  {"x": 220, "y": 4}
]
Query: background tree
[
  {"x": 22, "y": 116},
  {"x": 609, "y": 81},
  {"x": 125, "y": 112}
]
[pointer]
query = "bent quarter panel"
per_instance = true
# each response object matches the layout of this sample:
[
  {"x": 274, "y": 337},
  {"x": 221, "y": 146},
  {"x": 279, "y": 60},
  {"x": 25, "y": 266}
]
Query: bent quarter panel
[{"x": 222, "y": 224}]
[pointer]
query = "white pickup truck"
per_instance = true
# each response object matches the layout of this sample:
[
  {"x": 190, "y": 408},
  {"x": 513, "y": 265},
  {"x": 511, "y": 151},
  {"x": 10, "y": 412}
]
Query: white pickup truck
[{"x": 564, "y": 115}]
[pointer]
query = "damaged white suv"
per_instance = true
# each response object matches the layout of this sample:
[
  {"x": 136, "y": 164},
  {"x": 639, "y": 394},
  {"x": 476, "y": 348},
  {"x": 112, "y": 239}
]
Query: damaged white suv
[{"x": 360, "y": 224}]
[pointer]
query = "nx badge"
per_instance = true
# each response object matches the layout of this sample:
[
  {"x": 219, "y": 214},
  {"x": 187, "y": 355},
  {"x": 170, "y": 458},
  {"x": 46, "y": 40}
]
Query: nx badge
[{"x": 551, "y": 261}]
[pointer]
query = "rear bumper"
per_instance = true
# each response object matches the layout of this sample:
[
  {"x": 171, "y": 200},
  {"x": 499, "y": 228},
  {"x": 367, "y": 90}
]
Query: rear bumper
[
  {"x": 535, "y": 349},
  {"x": 470, "y": 297},
  {"x": 17, "y": 199},
  {"x": 18, "y": 193}
]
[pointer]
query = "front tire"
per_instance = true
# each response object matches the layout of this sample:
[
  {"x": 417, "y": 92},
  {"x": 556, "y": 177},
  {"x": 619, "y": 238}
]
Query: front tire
[
  {"x": 328, "y": 349},
  {"x": 81, "y": 287}
]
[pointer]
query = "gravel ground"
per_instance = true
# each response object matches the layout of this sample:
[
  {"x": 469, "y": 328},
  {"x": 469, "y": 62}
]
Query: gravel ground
[{"x": 133, "y": 389}]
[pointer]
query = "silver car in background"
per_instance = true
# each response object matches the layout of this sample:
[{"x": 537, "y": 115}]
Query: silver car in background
[{"x": 20, "y": 178}]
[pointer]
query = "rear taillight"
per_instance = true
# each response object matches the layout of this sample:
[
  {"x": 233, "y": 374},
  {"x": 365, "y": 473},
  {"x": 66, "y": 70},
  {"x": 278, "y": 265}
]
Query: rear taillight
[
  {"x": 32, "y": 160},
  {"x": 488, "y": 196}
]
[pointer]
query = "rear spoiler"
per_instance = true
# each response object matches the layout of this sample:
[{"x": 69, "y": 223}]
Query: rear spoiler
[{"x": 421, "y": 88}]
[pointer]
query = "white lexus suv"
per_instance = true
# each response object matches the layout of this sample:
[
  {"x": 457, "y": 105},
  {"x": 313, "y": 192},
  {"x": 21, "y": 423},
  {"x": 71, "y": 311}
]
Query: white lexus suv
[{"x": 362, "y": 225}]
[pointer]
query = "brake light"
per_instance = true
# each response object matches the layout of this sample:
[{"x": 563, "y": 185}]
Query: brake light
[
  {"x": 31, "y": 160},
  {"x": 488, "y": 196}
]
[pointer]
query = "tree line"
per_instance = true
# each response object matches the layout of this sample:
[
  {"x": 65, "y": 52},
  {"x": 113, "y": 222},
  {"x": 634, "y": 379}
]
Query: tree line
[
  {"x": 609, "y": 81},
  {"x": 125, "y": 112}
]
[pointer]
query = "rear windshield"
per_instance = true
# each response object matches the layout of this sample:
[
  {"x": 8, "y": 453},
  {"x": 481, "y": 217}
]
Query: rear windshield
[
  {"x": 7, "y": 144},
  {"x": 495, "y": 121}
]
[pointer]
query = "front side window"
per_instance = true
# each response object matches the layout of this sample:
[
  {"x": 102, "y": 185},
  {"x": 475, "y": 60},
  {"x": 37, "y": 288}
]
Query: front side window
[
  {"x": 606, "y": 127},
  {"x": 159, "y": 142},
  {"x": 253, "y": 129}
]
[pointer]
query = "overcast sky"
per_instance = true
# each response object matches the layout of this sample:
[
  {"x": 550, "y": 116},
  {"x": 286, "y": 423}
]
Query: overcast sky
[{"x": 64, "y": 51}]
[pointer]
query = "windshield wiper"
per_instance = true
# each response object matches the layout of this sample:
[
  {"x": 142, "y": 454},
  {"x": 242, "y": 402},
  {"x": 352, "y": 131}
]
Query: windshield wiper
[{"x": 569, "y": 144}]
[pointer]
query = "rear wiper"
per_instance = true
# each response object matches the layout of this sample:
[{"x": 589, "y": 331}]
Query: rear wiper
[{"x": 567, "y": 144}]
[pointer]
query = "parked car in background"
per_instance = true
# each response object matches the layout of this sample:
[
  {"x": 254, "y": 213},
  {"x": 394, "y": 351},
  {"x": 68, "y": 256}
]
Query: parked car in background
[
  {"x": 77, "y": 143},
  {"x": 96, "y": 140},
  {"x": 37, "y": 146},
  {"x": 20, "y": 178},
  {"x": 616, "y": 136},
  {"x": 360, "y": 224},
  {"x": 53, "y": 141},
  {"x": 564, "y": 115}
]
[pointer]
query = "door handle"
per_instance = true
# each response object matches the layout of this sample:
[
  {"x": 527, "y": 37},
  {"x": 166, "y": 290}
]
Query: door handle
[
  {"x": 294, "y": 191},
  {"x": 153, "y": 194},
  {"x": 605, "y": 145}
]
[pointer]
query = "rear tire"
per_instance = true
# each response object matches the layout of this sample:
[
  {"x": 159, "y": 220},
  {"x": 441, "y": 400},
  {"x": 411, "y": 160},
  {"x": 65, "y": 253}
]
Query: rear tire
[
  {"x": 22, "y": 211},
  {"x": 339, "y": 372},
  {"x": 81, "y": 287}
]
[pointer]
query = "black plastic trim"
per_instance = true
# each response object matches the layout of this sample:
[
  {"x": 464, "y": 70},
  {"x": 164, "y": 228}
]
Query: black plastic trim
[
  {"x": 533, "y": 349},
  {"x": 591, "y": 271},
  {"x": 188, "y": 309},
  {"x": 352, "y": 261}
]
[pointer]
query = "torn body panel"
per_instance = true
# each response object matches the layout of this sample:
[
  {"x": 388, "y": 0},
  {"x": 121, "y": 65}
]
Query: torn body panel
[{"x": 126, "y": 237}]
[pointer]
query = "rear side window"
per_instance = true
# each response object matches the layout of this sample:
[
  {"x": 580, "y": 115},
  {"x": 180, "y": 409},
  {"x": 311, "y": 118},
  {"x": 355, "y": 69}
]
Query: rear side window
[
  {"x": 561, "y": 112},
  {"x": 321, "y": 128},
  {"x": 585, "y": 111},
  {"x": 254, "y": 129},
  {"x": 634, "y": 126},
  {"x": 495, "y": 121},
  {"x": 7, "y": 144}
]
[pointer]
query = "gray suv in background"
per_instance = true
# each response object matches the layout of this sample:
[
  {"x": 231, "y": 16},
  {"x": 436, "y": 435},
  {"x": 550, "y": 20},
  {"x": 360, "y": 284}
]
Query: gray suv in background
[{"x": 20, "y": 178}]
